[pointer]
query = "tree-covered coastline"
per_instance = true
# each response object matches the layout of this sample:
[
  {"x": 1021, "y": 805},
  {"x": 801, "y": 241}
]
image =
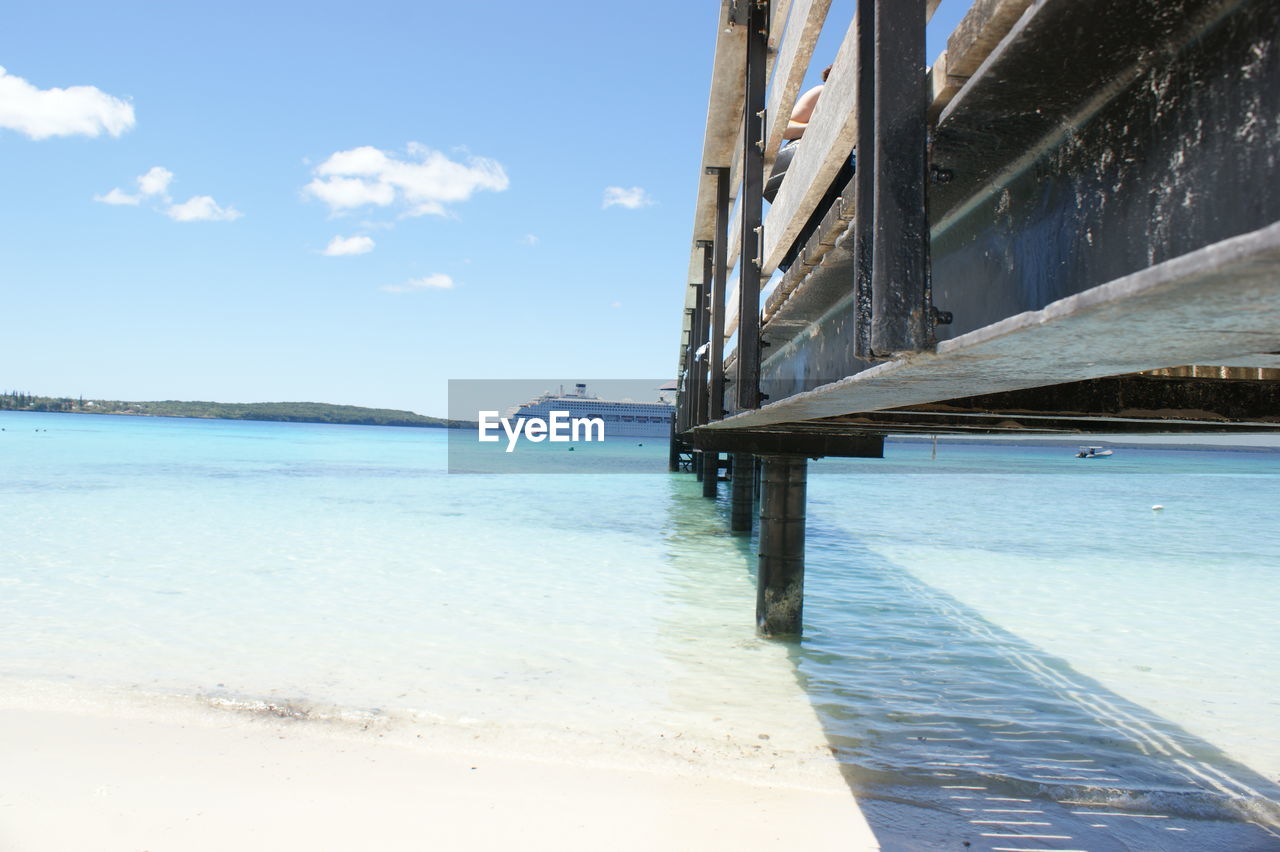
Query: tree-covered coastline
[{"x": 289, "y": 412}]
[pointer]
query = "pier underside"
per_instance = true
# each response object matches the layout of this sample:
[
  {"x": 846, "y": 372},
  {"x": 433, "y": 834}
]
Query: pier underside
[
  {"x": 1098, "y": 207},
  {"x": 1066, "y": 224}
]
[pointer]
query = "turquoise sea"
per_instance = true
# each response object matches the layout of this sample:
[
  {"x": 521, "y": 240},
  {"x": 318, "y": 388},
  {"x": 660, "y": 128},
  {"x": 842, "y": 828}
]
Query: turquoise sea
[{"x": 1005, "y": 648}]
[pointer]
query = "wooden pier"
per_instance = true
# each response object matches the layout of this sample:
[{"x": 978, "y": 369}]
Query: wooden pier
[{"x": 1067, "y": 223}]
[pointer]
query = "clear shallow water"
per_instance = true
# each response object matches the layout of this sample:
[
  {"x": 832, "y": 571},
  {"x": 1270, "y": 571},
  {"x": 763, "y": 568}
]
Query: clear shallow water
[{"x": 997, "y": 625}]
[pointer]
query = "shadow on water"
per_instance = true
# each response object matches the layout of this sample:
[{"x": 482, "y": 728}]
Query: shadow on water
[{"x": 956, "y": 734}]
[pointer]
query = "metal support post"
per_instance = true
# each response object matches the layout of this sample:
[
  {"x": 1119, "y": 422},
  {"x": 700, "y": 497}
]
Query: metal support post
[
  {"x": 748, "y": 386},
  {"x": 865, "y": 178},
  {"x": 700, "y": 400},
  {"x": 901, "y": 319},
  {"x": 702, "y": 314},
  {"x": 719, "y": 287},
  {"x": 741, "y": 506},
  {"x": 780, "y": 581}
]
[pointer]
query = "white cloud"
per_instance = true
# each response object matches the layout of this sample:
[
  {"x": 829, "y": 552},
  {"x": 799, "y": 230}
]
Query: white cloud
[
  {"x": 341, "y": 193},
  {"x": 117, "y": 196},
  {"x": 423, "y": 182},
  {"x": 201, "y": 208},
  {"x": 529, "y": 240},
  {"x": 365, "y": 160},
  {"x": 632, "y": 198},
  {"x": 76, "y": 110},
  {"x": 155, "y": 181},
  {"x": 153, "y": 185},
  {"x": 438, "y": 281},
  {"x": 339, "y": 246}
]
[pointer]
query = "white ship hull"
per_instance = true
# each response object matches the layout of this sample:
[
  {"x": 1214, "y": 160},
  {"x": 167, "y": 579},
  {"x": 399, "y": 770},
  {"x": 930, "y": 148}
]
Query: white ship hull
[{"x": 622, "y": 418}]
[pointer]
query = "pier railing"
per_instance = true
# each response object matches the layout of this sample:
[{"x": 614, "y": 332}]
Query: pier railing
[{"x": 1078, "y": 184}]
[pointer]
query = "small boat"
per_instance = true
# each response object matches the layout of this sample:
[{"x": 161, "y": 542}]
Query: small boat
[{"x": 1093, "y": 453}]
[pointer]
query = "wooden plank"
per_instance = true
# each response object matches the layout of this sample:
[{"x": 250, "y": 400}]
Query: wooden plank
[
  {"x": 792, "y": 207},
  {"x": 731, "y": 313},
  {"x": 735, "y": 233},
  {"x": 778, "y": 65},
  {"x": 943, "y": 86},
  {"x": 796, "y": 52},
  {"x": 827, "y": 142},
  {"x": 978, "y": 33},
  {"x": 724, "y": 120},
  {"x": 1210, "y": 306},
  {"x": 803, "y": 27},
  {"x": 723, "y": 127}
]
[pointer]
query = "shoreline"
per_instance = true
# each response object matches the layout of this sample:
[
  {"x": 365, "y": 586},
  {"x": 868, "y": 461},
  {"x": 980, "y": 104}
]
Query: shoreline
[
  {"x": 447, "y": 425},
  {"x": 176, "y": 776}
]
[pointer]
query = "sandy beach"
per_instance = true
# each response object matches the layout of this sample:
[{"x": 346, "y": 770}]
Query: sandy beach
[{"x": 73, "y": 779}]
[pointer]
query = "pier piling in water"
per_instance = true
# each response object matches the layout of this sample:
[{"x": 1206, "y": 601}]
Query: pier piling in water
[
  {"x": 710, "y": 474},
  {"x": 741, "y": 508},
  {"x": 780, "y": 582}
]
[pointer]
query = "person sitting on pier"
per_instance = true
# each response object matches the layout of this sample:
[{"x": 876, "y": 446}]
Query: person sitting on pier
[{"x": 796, "y": 125}]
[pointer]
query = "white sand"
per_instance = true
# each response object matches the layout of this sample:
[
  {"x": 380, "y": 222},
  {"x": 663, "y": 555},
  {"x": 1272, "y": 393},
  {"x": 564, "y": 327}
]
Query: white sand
[{"x": 79, "y": 779}]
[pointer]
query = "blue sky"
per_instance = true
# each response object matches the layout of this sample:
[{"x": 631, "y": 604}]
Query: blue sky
[{"x": 461, "y": 154}]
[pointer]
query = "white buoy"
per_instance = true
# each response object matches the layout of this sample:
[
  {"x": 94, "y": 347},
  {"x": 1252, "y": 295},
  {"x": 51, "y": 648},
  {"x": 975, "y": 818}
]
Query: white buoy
[{"x": 1157, "y": 508}]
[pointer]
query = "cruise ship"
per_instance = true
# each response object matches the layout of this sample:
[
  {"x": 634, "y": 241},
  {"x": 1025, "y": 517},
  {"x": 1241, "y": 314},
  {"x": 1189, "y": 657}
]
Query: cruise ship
[{"x": 622, "y": 418}]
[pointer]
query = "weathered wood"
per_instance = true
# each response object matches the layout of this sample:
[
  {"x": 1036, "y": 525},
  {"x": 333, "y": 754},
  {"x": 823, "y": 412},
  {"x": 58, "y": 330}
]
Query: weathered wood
[
  {"x": 724, "y": 119},
  {"x": 943, "y": 85},
  {"x": 778, "y": 15},
  {"x": 1208, "y": 306},
  {"x": 1252, "y": 371},
  {"x": 827, "y": 142},
  {"x": 731, "y": 312},
  {"x": 802, "y": 294},
  {"x": 724, "y": 112},
  {"x": 814, "y": 444},
  {"x": 794, "y": 55},
  {"x": 978, "y": 33},
  {"x": 788, "y": 76},
  {"x": 735, "y": 237}
]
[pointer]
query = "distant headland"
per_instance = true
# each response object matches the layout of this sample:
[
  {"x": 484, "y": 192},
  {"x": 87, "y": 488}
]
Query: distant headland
[{"x": 289, "y": 412}]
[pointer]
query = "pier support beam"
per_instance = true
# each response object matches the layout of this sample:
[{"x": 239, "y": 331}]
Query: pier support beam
[
  {"x": 710, "y": 474},
  {"x": 742, "y": 503},
  {"x": 900, "y": 297},
  {"x": 780, "y": 581},
  {"x": 751, "y": 203},
  {"x": 719, "y": 288}
]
